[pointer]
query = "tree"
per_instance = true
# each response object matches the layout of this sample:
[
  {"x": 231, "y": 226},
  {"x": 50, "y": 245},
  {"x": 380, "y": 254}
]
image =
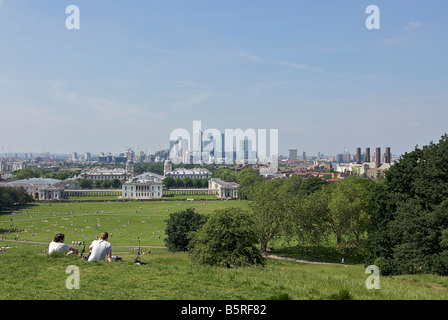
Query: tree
[
  {"x": 349, "y": 209},
  {"x": 116, "y": 183},
  {"x": 247, "y": 178},
  {"x": 85, "y": 184},
  {"x": 310, "y": 222},
  {"x": 98, "y": 184},
  {"x": 106, "y": 184},
  {"x": 311, "y": 185},
  {"x": 178, "y": 183},
  {"x": 225, "y": 175},
  {"x": 197, "y": 183},
  {"x": 169, "y": 182},
  {"x": 26, "y": 174},
  {"x": 154, "y": 167},
  {"x": 409, "y": 232},
  {"x": 270, "y": 206},
  {"x": 178, "y": 228},
  {"x": 188, "y": 183},
  {"x": 10, "y": 197},
  {"x": 228, "y": 239}
]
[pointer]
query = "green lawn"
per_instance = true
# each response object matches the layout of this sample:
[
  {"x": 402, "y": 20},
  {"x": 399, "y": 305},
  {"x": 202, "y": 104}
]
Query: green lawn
[
  {"x": 29, "y": 273},
  {"x": 83, "y": 221}
]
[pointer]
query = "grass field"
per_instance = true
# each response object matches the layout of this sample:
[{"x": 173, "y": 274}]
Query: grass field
[
  {"x": 84, "y": 221},
  {"x": 30, "y": 274}
]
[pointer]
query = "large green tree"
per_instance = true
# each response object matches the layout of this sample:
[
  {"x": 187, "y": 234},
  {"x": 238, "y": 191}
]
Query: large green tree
[
  {"x": 10, "y": 197},
  {"x": 310, "y": 222},
  {"x": 349, "y": 208},
  {"x": 228, "y": 239},
  {"x": 409, "y": 231},
  {"x": 178, "y": 228},
  {"x": 272, "y": 204},
  {"x": 247, "y": 178}
]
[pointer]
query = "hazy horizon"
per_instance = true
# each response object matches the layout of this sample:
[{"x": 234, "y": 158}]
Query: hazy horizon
[{"x": 136, "y": 70}]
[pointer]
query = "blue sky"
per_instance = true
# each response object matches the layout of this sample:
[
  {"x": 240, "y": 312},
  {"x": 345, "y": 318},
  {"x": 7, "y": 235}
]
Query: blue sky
[{"x": 138, "y": 69}]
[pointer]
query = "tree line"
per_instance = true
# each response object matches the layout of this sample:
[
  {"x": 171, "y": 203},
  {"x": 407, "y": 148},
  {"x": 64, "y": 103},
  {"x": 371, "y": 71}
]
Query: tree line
[
  {"x": 100, "y": 184},
  {"x": 187, "y": 182},
  {"x": 398, "y": 222},
  {"x": 11, "y": 197},
  {"x": 28, "y": 173}
]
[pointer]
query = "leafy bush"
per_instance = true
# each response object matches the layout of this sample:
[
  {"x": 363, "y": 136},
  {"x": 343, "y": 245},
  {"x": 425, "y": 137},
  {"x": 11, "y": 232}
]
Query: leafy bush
[
  {"x": 178, "y": 227},
  {"x": 227, "y": 239}
]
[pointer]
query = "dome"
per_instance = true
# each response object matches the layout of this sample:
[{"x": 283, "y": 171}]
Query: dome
[
  {"x": 130, "y": 162},
  {"x": 167, "y": 161}
]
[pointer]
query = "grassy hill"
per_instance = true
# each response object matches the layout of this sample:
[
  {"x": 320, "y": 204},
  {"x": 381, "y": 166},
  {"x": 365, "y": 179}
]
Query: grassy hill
[{"x": 27, "y": 273}]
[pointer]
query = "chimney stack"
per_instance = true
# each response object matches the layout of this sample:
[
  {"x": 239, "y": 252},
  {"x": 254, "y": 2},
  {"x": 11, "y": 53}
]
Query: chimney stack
[
  {"x": 378, "y": 157},
  {"x": 388, "y": 155}
]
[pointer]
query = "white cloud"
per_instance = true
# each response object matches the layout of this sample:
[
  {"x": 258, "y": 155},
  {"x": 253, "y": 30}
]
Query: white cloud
[
  {"x": 413, "y": 25},
  {"x": 154, "y": 49},
  {"x": 389, "y": 40},
  {"x": 414, "y": 124},
  {"x": 191, "y": 99},
  {"x": 281, "y": 63}
]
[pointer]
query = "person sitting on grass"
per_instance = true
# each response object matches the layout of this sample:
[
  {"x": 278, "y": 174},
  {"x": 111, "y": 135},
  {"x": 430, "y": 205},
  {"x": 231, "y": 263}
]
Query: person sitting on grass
[
  {"x": 58, "y": 245},
  {"x": 100, "y": 249}
]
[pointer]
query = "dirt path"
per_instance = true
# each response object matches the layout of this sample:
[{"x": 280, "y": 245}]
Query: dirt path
[{"x": 300, "y": 261}]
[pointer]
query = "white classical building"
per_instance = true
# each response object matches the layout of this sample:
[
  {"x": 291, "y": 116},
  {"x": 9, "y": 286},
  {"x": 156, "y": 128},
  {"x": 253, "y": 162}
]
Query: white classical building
[
  {"x": 223, "y": 189},
  {"x": 56, "y": 191},
  {"x": 43, "y": 188},
  {"x": 145, "y": 186}
]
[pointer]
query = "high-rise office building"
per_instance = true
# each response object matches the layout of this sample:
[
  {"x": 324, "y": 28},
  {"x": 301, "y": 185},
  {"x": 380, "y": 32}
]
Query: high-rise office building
[{"x": 292, "y": 154}]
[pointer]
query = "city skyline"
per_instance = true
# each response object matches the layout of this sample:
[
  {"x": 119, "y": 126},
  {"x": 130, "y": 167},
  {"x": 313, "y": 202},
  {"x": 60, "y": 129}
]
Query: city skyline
[{"x": 135, "y": 72}]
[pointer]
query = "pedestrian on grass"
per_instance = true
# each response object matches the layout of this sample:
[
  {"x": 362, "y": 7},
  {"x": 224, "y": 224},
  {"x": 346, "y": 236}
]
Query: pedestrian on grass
[
  {"x": 58, "y": 245},
  {"x": 100, "y": 249}
]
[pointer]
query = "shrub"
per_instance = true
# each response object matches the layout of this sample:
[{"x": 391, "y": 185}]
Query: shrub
[
  {"x": 178, "y": 227},
  {"x": 227, "y": 239}
]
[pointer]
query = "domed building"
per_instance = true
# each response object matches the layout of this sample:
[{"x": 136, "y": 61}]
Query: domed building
[{"x": 167, "y": 167}]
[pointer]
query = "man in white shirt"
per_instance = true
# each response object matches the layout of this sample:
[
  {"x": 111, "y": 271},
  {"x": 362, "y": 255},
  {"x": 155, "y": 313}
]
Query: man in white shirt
[
  {"x": 100, "y": 250},
  {"x": 58, "y": 245}
]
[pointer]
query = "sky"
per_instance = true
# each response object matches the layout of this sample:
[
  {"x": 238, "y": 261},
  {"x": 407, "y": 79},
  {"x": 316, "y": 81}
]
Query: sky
[{"x": 136, "y": 70}]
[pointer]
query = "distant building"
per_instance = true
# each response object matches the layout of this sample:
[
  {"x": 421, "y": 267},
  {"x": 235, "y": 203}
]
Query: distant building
[
  {"x": 110, "y": 174},
  {"x": 368, "y": 168},
  {"x": 292, "y": 154},
  {"x": 181, "y": 173},
  {"x": 56, "y": 191},
  {"x": 144, "y": 186},
  {"x": 224, "y": 189},
  {"x": 43, "y": 189}
]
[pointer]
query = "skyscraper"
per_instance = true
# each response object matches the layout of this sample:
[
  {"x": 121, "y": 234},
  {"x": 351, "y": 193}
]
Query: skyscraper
[{"x": 292, "y": 154}]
